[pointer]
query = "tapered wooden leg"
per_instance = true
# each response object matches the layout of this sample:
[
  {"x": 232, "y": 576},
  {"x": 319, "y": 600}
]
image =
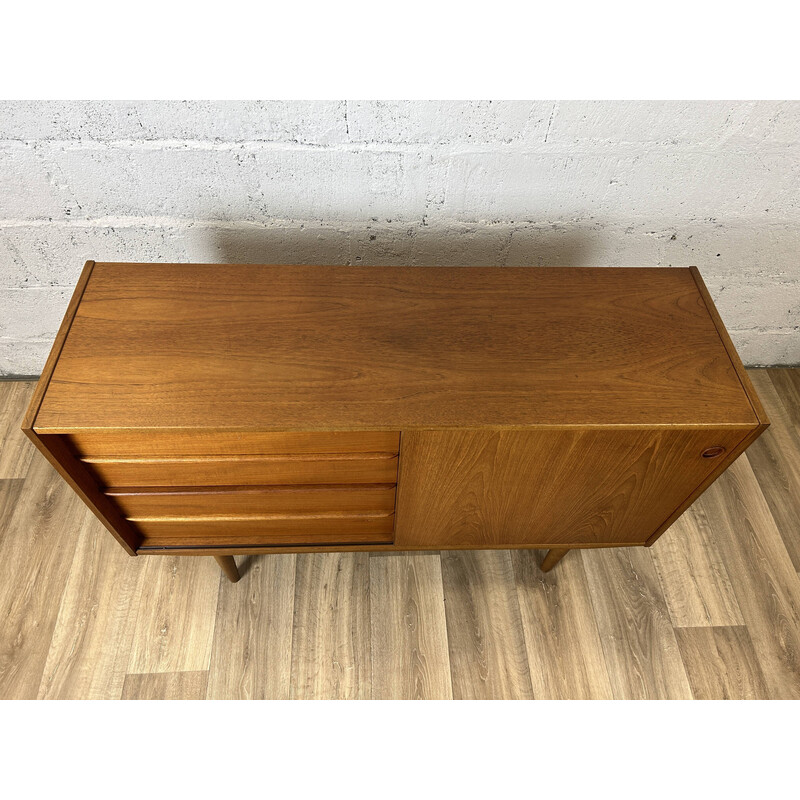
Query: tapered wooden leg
[
  {"x": 552, "y": 558},
  {"x": 228, "y": 566}
]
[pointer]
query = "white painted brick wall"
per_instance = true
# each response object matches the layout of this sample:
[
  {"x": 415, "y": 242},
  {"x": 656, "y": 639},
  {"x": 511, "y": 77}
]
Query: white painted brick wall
[{"x": 381, "y": 183}]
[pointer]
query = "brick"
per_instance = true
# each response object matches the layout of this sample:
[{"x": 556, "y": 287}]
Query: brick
[
  {"x": 265, "y": 120},
  {"x": 448, "y": 122}
]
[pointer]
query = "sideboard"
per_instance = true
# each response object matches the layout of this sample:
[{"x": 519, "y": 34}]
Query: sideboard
[{"x": 208, "y": 409}]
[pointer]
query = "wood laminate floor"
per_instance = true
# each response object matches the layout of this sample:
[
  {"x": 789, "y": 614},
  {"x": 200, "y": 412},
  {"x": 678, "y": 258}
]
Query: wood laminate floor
[{"x": 711, "y": 611}]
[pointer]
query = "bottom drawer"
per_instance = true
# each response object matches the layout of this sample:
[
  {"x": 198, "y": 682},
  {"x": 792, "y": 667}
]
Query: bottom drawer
[
  {"x": 267, "y": 530},
  {"x": 275, "y": 515}
]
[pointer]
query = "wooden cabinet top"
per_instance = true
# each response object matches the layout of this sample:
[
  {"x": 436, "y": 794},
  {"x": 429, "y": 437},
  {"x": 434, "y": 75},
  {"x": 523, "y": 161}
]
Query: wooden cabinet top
[{"x": 245, "y": 347}]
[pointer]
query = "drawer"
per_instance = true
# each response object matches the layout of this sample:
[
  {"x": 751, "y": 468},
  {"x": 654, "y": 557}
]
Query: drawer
[
  {"x": 248, "y": 470},
  {"x": 152, "y": 502},
  {"x": 197, "y": 443},
  {"x": 267, "y": 529}
]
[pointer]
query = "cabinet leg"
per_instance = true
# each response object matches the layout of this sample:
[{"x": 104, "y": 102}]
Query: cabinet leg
[
  {"x": 552, "y": 558},
  {"x": 228, "y": 566}
]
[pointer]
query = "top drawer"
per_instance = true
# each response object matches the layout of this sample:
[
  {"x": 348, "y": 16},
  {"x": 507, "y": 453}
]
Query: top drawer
[
  {"x": 195, "y": 443},
  {"x": 230, "y": 459}
]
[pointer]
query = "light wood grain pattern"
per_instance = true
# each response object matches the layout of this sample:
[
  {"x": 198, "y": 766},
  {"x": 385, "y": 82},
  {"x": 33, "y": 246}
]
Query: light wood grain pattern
[
  {"x": 10, "y": 491},
  {"x": 79, "y": 478},
  {"x": 766, "y": 584},
  {"x": 545, "y": 488},
  {"x": 775, "y": 458},
  {"x": 166, "y": 686},
  {"x": 638, "y": 639},
  {"x": 156, "y": 346},
  {"x": 721, "y": 663},
  {"x": 94, "y": 631},
  {"x": 254, "y": 632},
  {"x": 37, "y": 558},
  {"x": 177, "y": 601},
  {"x": 693, "y": 577},
  {"x": 484, "y": 627},
  {"x": 61, "y": 611},
  {"x": 331, "y": 654},
  {"x": 565, "y": 654},
  {"x": 16, "y": 450},
  {"x": 410, "y": 660},
  {"x": 787, "y": 384}
]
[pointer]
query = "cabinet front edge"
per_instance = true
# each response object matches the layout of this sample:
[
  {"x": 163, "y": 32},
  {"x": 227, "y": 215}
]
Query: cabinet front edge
[{"x": 29, "y": 421}]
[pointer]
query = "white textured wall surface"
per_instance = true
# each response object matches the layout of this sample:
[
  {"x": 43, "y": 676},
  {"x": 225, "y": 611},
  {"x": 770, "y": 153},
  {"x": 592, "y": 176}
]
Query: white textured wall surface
[{"x": 381, "y": 183}]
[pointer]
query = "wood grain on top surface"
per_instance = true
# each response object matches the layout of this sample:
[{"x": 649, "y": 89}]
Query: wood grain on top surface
[{"x": 314, "y": 348}]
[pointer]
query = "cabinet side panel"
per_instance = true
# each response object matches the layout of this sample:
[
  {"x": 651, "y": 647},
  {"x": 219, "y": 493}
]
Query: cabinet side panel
[
  {"x": 56, "y": 450},
  {"x": 733, "y": 355},
  {"x": 549, "y": 486},
  {"x": 55, "y": 351}
]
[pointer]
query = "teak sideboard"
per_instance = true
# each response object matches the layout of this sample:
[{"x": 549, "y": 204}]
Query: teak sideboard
[{"x": 207, "y": 409}]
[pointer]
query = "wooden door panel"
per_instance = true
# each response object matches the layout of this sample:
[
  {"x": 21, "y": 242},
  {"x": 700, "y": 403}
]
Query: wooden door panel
[{"x": 548, "y": 487}]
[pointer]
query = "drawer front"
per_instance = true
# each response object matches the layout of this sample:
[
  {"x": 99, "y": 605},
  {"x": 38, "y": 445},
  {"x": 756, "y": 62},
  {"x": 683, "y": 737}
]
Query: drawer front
[
  {"x": 142, "y": 503},
  {"x": 302, "y": 529},
  {"x": 197, "y": 489},
  {"x": 195, "y": 443},
  {"x": 245, "y": 470}
]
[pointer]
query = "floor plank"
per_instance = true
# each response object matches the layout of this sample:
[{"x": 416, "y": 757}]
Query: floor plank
[
  {"x": 775, "y": 458},
  {"x": 692, "y": 574},
  {"x": 16, "y": 450},
  {"x": 565, "y": 654},
  {"x": 36, "y": 550},
  {"x": 767, "y": 586},
  {"x": 787, "y": 384},
  {"x": 635, "y": 628},
  {"x": 252, "y": 656},
  {"x": 93, "y": 636},
  {"x": 331, "y": 629},
  {"x": 165, "y": 686},
  {"x": 721, "y": 664},
  {"x": 10, "y": 491},
  {"x": 410, "y": 659},
  {"x": 177, "y": 605},
  {"x": 488, "y": 657}
]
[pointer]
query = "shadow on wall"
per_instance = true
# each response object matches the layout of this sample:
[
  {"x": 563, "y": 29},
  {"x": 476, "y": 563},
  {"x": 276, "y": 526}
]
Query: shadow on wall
[{"x": 398, "y": 245}]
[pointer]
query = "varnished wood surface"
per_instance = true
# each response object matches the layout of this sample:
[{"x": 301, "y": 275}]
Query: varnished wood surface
[
  {"x": 228, "y": 566},
  {"x": 710, "y": 611},
  {"x": 545, "y": 487},
  {"x": 305, "y": 529},
  {"x": 55, "y": 351},
  {"x": 163, "y": 501},
  {"x": 259, "y": 470},
  {"x": 152, "y": 444},
  {"x": 157, "y": 346}
]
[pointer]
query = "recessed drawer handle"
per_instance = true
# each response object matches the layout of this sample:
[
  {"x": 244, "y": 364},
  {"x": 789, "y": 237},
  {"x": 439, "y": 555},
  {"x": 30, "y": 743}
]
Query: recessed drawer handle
[{"x": 713, "y": 452}]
